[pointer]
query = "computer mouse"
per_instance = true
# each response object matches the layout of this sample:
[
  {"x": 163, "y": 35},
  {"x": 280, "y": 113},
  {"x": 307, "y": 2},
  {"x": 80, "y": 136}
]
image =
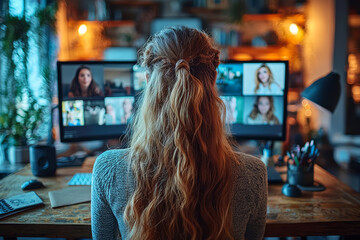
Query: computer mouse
[{"x": 32, "y": 184}]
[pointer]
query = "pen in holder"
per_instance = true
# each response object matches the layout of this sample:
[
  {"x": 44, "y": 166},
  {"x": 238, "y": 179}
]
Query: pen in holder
[{"x": 300, "y": 173}]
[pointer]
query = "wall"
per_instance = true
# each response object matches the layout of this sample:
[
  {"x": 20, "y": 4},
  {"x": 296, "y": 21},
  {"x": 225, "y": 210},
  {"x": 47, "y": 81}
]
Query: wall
[
  {"x": 318, "y": 51},
  {"x": 339, "y": 62}
]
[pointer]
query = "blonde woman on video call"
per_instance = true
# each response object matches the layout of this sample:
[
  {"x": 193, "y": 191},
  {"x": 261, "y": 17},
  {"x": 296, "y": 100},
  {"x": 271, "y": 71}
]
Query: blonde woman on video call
[
  {"x": 265, "y": 83},
  {"x": 180, "y": 178},
  {"x": 263, "y": 111}
]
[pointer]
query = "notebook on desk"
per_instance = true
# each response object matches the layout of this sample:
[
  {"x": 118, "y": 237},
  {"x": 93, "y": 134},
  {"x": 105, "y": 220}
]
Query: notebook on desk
[
  {"x": 18, "y": 203},
  {"x": 69, "y": 196}
]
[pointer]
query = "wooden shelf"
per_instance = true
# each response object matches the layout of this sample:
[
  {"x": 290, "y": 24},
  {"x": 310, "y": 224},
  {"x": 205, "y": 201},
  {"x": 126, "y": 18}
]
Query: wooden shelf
[
  {"x": 297, "y": 18},
  {"x": 258, "y": 53},
  {"x": 209, "y": 14},
  {"x": 134, "y": 3},
  {"x": 118, "y": 23},
  {"x": 354, "y": 20},
  {"x": 219, "y": 14}
]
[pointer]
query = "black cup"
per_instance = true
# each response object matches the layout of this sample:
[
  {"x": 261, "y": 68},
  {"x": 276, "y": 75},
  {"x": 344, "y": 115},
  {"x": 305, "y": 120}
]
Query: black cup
[
  {"x": 300, "y": 175},
  {"x": 43, "y": 160}
]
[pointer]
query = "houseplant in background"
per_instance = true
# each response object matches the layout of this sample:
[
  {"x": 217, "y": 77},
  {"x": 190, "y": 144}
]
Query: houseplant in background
[{"x": 22, "y": 112}]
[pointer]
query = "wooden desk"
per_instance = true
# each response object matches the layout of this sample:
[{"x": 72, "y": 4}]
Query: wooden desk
[
  {"x": 335, "y": 211},
  {"x": 67, "y": 222}
]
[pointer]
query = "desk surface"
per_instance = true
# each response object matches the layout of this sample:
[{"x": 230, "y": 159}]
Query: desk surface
[{"x": 335, "y": 211}]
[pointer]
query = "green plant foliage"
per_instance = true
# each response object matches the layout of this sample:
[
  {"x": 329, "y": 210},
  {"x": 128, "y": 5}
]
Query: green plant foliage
[{"x": 20, "y": 112}]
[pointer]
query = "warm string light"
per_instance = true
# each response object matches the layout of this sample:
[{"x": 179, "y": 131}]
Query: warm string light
[
  {"x": 82, "y": 29},
  {"x": 307, "y": 107},
  {"x": 355, "y": 91},
  {"x": 294, "y": 29}
]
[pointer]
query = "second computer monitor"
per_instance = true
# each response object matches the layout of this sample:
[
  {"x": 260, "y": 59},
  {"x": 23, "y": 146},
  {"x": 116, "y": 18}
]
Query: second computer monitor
[{"x": 255, "y": 97}]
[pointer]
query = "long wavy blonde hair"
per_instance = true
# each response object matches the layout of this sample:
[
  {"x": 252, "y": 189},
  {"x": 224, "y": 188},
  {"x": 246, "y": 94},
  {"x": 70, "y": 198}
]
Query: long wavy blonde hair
[
  {"x": 179, "y": 153},
  {"x": 258, "y": 81}
]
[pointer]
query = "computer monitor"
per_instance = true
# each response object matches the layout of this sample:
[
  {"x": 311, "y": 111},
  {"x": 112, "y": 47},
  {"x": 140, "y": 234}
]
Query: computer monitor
[
  {"x": 254, "y": 93},
  {"x": 105, "y": 111},
  {"x": 255, "y": 97}
]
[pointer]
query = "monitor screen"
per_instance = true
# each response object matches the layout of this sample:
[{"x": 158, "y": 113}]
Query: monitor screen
[
  {"x": 255, "y": 97},
  {"x": 254, "y": 94},
  {"x": 96, "y": 99}
]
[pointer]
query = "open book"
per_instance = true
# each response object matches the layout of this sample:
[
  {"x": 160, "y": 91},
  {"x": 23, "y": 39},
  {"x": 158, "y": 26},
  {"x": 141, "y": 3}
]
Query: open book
[{"x": 18, "y": 203}]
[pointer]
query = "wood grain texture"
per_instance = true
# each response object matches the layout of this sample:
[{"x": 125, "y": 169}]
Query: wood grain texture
[
  {"x": 69, "y": 222},
  {"x": 335, "y": 211}
]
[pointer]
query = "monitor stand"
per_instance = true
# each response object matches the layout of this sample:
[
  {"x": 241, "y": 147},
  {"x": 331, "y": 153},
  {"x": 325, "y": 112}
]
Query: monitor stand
[{"x": 266, "y": 148}]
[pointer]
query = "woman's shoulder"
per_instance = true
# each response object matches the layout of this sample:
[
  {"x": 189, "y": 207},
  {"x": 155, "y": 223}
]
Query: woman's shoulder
[
  {"x": 256, "y": 120},
  {"x": 275, "y": 88},
  {"x": 250, "y": 160},
  {"x": 109, "y": 160},
  {"x": 251, "y": 167}
]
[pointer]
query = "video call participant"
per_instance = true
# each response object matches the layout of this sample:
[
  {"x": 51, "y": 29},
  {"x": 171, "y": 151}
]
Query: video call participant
[
  {"x": 180, "y": 178},
  {"x": 71, "y": 119},
  {"x": 265, "y": 83},
  {"x": 83, "y": 85},
  {"x": 263, "y": 112},
  {"x": 231, "y": 111},
  {"x": 110, "y": 115},
  {"x": 127, "y": 110}
]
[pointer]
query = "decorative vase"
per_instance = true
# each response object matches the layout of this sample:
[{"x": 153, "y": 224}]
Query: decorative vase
[{"x": 18, "y": 154}]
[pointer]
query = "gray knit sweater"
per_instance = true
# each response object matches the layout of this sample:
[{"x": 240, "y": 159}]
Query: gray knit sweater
[{"x": 113, "y": 184}]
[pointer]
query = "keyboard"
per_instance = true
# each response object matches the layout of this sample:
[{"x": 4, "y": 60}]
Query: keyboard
[
  {"x": 273, "y": 175},
  {"x": 85, "y": 178},
  {"x": 71, "y": 161},
  {"x": 80, "y": 179}
]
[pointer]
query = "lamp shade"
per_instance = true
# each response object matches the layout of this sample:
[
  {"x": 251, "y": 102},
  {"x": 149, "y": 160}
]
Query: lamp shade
[{"x": 324, "y": 91}]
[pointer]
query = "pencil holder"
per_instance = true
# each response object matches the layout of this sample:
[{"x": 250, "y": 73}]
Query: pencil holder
[{"x": 300, "y": 175}]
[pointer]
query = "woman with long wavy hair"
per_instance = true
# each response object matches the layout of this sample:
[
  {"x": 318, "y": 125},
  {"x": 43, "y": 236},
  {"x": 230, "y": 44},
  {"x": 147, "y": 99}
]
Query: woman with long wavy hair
[
  {"x": 83, "y": 84},
  {"x": 265, "y": 83},
  {"x": 263, "y": 111},
  {"x": 180, "y": 178}
]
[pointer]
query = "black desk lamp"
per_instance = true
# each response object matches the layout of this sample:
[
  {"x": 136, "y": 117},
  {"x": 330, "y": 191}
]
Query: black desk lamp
[{"x": 324, "y": 92}]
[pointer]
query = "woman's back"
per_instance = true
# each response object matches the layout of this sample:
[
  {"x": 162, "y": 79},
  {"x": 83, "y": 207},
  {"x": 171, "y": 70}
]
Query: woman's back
[
  {"x": 114, "y": 185},
  {"x": 180, "y": 159}
]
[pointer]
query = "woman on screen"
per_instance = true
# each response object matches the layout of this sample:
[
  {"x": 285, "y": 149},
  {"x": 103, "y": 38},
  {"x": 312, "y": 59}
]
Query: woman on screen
[
  {"x": 263, "y": 112},
  {"x": 180, "y": 178},
  {"x": 110, "y": 115},
  {"x": 127, "y": 110},
  {"x": 71, "y": 119},
  {"x": 231, "y": 111},
  {"x": 83, "y": 85},
  {"x": 265, "y": 83}
]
